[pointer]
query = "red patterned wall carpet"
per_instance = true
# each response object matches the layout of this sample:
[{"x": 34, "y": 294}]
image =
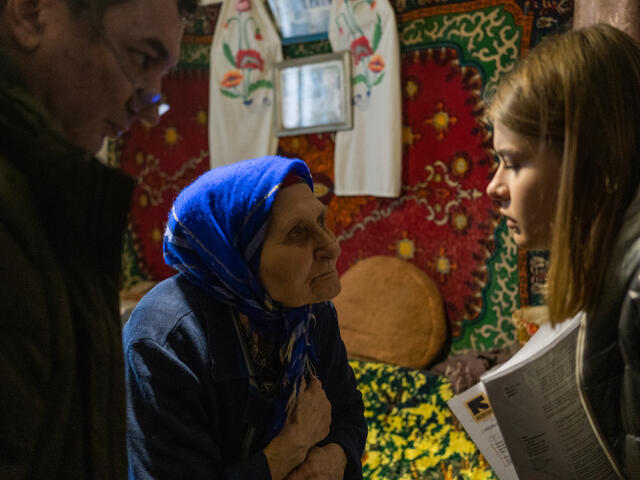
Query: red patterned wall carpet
[{"x": 453, "y": 54}]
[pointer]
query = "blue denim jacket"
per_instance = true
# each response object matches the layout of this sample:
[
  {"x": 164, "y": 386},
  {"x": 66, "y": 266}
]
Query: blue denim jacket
[{"x": 192, "y": 411}]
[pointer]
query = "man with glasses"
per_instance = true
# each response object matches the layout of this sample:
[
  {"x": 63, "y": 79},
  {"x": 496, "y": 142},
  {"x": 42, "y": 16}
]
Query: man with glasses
[{"x": 71, "y": 73}]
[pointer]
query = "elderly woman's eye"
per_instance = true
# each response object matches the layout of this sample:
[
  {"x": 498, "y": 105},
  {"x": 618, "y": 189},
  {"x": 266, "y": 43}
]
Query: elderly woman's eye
[{"x": 295, "y": 233}]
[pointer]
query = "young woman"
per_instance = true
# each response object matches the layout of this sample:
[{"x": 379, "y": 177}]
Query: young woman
[
  {"x": 235, "y": 367},
  {"x": 567, "y": 135}
]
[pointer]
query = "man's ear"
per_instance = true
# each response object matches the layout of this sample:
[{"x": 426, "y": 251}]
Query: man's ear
[{"x": 25, "y": 21}]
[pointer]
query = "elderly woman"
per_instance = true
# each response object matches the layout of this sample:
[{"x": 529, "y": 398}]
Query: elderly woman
[{"x": 235, "y": 367}]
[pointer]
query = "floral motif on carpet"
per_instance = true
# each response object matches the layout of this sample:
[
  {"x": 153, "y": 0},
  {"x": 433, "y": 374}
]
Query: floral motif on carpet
[{"x": 440, "y": 222}]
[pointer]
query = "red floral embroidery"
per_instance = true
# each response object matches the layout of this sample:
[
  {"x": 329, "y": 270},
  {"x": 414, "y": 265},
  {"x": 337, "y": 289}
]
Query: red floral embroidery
[
  {"x": 243, "y": 5},
  {"x": 360, "y": 48},
  {"x": 249, "y": 59}
]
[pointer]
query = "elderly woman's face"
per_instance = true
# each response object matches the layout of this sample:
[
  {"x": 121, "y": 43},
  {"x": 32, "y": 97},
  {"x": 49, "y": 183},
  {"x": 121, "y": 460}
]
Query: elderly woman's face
[{"x": 298, "y": 259}]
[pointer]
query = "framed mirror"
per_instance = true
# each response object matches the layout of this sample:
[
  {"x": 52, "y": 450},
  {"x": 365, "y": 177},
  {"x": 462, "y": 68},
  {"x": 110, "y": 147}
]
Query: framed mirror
[
  {"x": 301, "y": 20},
  {"x": 313, "y": 94}
]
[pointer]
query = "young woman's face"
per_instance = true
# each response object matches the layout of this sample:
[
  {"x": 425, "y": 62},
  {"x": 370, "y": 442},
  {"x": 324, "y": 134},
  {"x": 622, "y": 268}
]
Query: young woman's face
[
  {"x": 299, "y": 253},
  {"x": 525, "y": 186}
]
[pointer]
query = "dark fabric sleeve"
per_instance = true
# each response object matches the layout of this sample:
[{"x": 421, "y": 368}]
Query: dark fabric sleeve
[
  {"x": 348, "y": 426},
  {"x": 169, "y": 421},
  {"x": 629, "y": 404}
]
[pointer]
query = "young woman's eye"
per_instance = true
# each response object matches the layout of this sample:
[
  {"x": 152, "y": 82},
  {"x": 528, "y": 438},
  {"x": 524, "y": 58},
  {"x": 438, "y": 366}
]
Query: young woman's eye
[
  {"x": 512, "y": 166},
  {"x": 508, "y": 164}
]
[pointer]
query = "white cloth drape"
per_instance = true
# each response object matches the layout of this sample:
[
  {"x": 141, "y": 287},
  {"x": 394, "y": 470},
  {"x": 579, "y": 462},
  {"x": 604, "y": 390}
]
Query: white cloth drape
[
  {"x": 368, "y": 159},
  {"x": 241, "y": 94}
]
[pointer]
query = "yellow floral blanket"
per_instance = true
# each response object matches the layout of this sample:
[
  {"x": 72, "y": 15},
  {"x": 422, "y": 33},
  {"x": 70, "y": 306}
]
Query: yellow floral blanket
[{"x": 412, "y": 432}]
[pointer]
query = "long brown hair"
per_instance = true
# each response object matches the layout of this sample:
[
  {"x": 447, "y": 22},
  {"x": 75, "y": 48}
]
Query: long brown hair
[{"x": 580, "y": 92}]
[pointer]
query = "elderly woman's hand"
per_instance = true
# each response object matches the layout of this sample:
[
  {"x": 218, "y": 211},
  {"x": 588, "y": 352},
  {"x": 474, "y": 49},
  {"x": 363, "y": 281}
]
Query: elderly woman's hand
[
  {"x": 322, "y": 463},
  {"x": 310, "y": 419},
  {"x": 307, "y": 424}
]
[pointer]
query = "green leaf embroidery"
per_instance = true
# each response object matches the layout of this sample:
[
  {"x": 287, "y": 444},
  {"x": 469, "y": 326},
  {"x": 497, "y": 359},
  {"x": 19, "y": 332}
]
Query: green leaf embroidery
[
  {"x": 377, "y": 33},
  {"x": 229, "y": 94},
  {"x": 227, "y": 53},
  {"x": 379, "y": 79},
  {"x": 259, "y": 84},
  {"x": 360, "y": 78}
]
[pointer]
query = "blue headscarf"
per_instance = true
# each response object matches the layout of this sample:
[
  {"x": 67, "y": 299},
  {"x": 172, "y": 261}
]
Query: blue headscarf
[{"x": 214, "y": 236}]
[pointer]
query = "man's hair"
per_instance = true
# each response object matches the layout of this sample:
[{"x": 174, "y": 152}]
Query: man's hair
[
  {"x": 578, "y": 92},
  {"x": 98, "y": 7}
]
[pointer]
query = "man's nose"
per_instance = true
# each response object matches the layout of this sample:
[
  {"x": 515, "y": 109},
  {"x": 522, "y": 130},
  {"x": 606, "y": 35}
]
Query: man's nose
[{"x": 151, "y": 115}]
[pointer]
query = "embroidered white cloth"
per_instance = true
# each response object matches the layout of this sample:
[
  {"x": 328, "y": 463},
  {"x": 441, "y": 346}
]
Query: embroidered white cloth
[
  {"x": 245, "y": 46},
  {"x": 368, "y": 159}
]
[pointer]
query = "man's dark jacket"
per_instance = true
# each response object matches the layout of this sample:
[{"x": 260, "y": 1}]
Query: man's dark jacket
[{"x": 62, "y": 400}]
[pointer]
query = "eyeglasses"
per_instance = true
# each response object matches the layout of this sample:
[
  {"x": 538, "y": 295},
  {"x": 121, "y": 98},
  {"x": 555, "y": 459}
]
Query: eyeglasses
[{"x": 143, "y": 101}]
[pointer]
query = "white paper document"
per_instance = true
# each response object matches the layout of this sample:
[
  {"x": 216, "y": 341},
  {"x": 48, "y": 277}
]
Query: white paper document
[
  {"x": 537, "y": 427},
  {"x": 472, "y": 409}
]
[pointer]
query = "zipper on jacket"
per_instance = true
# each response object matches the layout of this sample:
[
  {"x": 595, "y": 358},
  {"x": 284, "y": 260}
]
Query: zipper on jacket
[{"x": 585, "y": 401}]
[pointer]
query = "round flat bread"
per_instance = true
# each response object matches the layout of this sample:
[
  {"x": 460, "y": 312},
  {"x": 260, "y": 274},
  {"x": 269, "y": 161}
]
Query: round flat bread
[{"x": 391, "y": 311}]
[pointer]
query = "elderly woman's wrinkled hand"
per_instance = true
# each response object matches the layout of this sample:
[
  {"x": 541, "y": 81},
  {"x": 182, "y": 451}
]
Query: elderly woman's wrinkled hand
[
  {"x": 310, "y": 419},
  {"x": 322, "y": 463},
  {"x": 308, "y": 423}
]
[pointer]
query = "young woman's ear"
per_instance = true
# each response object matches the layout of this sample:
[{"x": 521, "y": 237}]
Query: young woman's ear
[{"x": 25, "y": 21}]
